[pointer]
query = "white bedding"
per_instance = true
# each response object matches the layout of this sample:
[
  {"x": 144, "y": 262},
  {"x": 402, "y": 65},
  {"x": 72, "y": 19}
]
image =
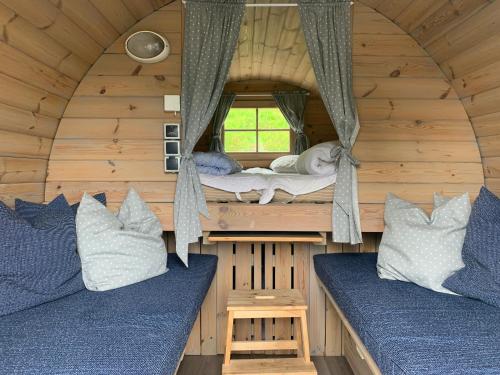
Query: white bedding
[{"x": 266, "y": 182}]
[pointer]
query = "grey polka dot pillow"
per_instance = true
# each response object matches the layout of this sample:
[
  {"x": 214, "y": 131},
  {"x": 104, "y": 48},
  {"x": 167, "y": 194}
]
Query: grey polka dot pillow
[
  {"x": 119, "y": 250},
  {"x": 423, "y": 249}
]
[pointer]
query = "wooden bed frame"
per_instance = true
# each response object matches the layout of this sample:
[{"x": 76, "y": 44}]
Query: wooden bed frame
[{"x": 361, "y": 361}]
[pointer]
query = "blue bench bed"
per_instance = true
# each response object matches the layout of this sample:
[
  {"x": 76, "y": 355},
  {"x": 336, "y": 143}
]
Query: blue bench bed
[
  {"x": 409, "y": 330},
  {"x": 138, "y": 329}
]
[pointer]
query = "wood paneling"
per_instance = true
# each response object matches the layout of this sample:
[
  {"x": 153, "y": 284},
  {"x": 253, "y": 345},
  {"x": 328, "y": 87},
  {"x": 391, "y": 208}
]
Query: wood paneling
[
  {"x": 463, "y": 37},
  {"x": 46, "y": 47},
  {"x": 412, "y": 122}
]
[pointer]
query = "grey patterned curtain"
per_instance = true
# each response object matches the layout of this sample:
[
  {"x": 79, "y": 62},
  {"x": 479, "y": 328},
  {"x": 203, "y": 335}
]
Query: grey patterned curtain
[
  {"x": 327, "y": 26},
  {"x": 225, "y": 103},
  {"x": 211, "y": 30},
  {"x": 292, "y": 105}
]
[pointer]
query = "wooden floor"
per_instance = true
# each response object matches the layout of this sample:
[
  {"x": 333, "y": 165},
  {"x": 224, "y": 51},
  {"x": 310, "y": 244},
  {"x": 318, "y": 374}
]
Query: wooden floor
[{"x": 212, "y": 365}]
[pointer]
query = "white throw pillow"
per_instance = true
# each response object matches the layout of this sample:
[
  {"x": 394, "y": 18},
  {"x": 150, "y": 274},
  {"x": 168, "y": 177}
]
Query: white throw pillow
[
  {"x": 119, "y": 250},
  {"x": 421, "y": 249},
  {"x": 285, "y": 164}
]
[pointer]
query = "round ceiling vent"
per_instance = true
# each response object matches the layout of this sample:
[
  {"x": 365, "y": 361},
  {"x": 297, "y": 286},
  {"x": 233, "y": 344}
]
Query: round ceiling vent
[{"x": 147, "y": 47}]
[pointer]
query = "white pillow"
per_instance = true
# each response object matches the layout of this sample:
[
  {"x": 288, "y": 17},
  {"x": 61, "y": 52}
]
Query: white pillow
[
  {"x": 119, "y": 250},
  {"x": 421, "y": 249},
  {"x": 285, "y": 164}
]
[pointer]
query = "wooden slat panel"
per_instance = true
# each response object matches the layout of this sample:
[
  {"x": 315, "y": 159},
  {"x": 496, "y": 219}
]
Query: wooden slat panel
[
  {"x": 131, "y": 107},
  {"x": 385, "y": 45},
  {"x": 282, "y": 280},
  {"x": 85, "y": 15},
  {"x": 387, "y": 109},
  {"x": 403, "y": 88},
  {"x": 23, "y": 36},
  {"x": 209, "y": 312},
  {"x": 48, "y": 18},
  {"x": 480, "y": 26},
  {"x": 224, "y": 278},
  {"x": 491, "y": 167},
  {"x": 416, "y": 12},
  {"x": 482, "y": 53},
  {"x": 316, "y": 312},
  {"x": 20, "y": 66},
  {"x": 122, "y": 65},
  {"x": 193, "y": 346},
  {"x": 32, "y": 192},
  {"x": 124, "y": 128},
  {"x": 243, "y": 259},
  {"x": 21, "y": 121},
  {"x": 487, "y": 124},
  {"x": 417, "y": 151},
  {"x": 401, "y": 130},
  {"x": 15, "y": 144},
  {"x": 489, "y": 146},
  {"x": 116, "y": 13},
  {"x": 480, "y": 80},
  {"x": 494, "y": 185},
  {"x": 139, "y": 8},
  {"x": 483, "y": 103},
  {"x": 447, "y": 17},
  {"x": 144, "y": 86},
  {"x": 21, "y": 170},
  {"x": 414, "y": 172},
  {"x": 21, "y": 95},
  {"x": 395, "y": 66}
]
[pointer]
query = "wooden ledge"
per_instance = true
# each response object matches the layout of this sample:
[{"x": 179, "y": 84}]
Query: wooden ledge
[{"x": 318, "y": 238}]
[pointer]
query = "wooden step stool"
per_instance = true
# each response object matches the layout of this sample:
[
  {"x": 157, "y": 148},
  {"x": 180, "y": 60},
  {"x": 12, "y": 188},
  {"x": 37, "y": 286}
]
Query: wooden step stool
[{"x": 278, "y": 303}]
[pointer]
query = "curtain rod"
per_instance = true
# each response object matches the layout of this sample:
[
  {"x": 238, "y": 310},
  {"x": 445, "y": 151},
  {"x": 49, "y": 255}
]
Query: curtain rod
[
  {"x": 267, "y": 5},
  {"x": 259, "y": 95}
]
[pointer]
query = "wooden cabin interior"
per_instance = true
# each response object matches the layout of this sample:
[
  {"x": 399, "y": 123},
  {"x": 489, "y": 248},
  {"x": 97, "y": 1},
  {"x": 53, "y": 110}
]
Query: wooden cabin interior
[{"x": 79, "y": 114}]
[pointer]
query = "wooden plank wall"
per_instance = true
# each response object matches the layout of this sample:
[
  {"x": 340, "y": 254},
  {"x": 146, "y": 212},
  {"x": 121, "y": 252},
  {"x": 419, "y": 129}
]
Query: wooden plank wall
[
  {"x": 463, "y": 37},
  {"x": 268, "y": 266},
  {"x": 415, "y": 135},
  {"x": 46, "y": 47}
]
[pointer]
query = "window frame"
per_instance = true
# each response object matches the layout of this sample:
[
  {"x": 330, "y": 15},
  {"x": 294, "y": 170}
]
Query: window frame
[{"x": 256, "y": 131}]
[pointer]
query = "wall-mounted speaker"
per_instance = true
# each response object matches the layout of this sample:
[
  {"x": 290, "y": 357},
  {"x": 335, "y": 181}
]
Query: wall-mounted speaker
[{"x": 147, "y": 47}]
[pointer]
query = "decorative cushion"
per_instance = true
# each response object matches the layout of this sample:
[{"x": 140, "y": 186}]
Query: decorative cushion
[
  {"x": 480, "y": 278},
  {"x": 285, "y": 164},
  {"x": 216, "y": 163},
  {"x": 28, "y": 210},
  {"x": 119, "y": 250},
  {"x": 39, "y": 262},
  {"x": 421, "y": 249}
]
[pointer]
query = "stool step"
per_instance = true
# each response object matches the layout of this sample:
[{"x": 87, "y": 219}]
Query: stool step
[
  {"x": 238, "y": 346},
  {"x": 276, "y": 366}
]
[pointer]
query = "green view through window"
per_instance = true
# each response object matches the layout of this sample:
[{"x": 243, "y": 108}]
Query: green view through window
[{"x": 256, "y": 130}]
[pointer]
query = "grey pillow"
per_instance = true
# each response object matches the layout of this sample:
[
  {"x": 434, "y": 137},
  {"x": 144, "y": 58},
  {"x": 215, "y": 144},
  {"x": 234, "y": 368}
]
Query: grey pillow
[
  {"x": 421, "y": 249},
  {"x": 119, "y": 250}
]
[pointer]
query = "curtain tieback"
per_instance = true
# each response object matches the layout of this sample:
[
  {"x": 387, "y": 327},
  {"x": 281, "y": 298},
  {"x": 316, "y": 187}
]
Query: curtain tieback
[{"x": 338, "y": 152}]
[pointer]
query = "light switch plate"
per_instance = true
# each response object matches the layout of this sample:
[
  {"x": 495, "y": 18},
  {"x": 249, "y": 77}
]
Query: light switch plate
[{"x": 172, "y": 103}]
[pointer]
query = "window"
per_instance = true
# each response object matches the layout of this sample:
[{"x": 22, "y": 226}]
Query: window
[{"x": 256, "y": 130}]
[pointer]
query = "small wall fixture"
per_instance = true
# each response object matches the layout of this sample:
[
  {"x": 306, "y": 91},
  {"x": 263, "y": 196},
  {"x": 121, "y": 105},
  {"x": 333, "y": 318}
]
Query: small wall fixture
[{"x": 147, "y": 47}]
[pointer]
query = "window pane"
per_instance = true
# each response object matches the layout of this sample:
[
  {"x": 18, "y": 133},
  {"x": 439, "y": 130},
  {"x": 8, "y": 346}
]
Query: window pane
[
  {"x": 274, "y": 141},
  {"x": 271, "y": 118},
  {"x": 235, "y": 141},
  {"x": 241, "y": 119}
]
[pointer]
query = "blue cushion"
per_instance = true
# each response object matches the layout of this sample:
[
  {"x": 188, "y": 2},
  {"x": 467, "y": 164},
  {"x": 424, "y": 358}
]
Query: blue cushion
[
  {"x": 480, "y": 278},
  {"x": 29, "y": 209},
  {"x": 215, "y": 163},
  {"x": 39, "y": 262},
  {"x": 410, "y": 330},
  {"x": 139, "y": 329}
]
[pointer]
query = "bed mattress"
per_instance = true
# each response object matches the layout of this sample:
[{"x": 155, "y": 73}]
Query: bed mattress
[
  {"x": 410, "y": 330},
  {"x": 262, "y": 185},
  {"x": 138, "y": 329}
]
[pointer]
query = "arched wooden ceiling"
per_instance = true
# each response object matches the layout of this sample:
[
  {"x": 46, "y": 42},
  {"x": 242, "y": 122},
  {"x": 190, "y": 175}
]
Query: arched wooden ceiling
[
  {"x": 461, "y": 36},
  {"x": 47, "y": 46}
]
